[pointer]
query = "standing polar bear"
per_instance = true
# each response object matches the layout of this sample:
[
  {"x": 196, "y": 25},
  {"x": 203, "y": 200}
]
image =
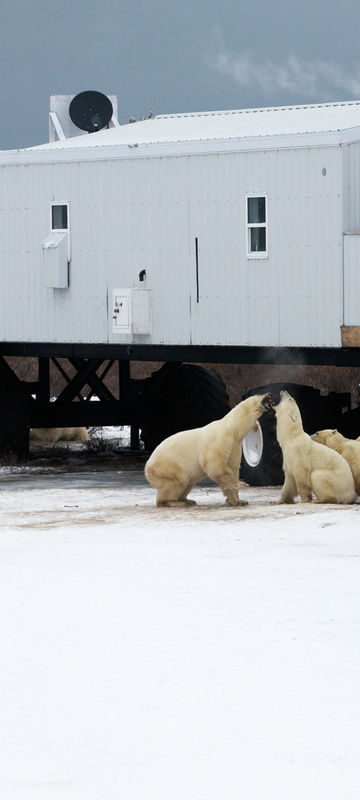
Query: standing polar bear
[
  {"x": 348, "y": 449},
  {"x": 309, "y": 466},
  {"x": 214, "y": 450}
]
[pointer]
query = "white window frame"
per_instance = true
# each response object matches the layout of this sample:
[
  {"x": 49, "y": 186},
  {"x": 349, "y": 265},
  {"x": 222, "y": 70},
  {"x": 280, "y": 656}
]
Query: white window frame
[
  {"x": 61, "y": 230},
  {"x": 251, "y": 254},
  {"x": 59, "y": 203}
]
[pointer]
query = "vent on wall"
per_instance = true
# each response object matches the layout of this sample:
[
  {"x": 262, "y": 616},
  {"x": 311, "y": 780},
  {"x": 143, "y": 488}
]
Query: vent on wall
[{"x": 55, "y": 260}]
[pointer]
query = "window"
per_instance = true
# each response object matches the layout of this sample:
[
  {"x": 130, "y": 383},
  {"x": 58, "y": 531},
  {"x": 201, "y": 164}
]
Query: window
[
  {"x": 256, "y": 221},
  {"x": 60, "y": 221},
  {"x": 59, "y": 217}
]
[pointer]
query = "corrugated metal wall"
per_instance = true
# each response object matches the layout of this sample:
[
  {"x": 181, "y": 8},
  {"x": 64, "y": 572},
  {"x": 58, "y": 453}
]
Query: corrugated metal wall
[
  {"x": 351, "y": 191},
  {"x": 294, "y": 297},
  {"x": 351, "y": 187},
  {"x": 145, "y": 213},
  {"x": 352, "y": 279}
]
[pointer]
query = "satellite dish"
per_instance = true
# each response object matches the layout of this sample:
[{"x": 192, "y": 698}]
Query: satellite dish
[{"x": 90, "y": 111}]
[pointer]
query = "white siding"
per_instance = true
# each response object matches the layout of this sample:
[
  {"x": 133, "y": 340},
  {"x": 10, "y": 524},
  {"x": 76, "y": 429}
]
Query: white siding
[
  {"x": 351, "y": 172},
  {"x": 144, "y": 213},
  {"x": 352, "y": 279},
  {"x": 294, "y": 297}
]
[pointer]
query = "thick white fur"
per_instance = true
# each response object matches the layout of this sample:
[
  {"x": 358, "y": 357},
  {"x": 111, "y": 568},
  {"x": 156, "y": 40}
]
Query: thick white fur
[
  {"x": 183, "y": 459},
  {"x": 57, "y": 434},
  {"x": 348, "y": 449},
  {"x": 309, "y": 466}
]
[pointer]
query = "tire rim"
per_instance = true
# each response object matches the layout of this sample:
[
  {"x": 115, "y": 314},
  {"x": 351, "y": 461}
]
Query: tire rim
[{"x": 253, "y": 446}]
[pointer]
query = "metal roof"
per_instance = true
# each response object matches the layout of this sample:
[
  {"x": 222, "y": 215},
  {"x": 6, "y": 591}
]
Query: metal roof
[{"x": 223, "y": 125}]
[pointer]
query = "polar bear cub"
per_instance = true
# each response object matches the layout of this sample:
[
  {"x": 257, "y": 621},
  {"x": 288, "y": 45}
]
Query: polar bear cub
[
  {"x": 309, "y": 466},
  {"x": 57, "y": 434},
  {"x": 348, "y": 449},
  {"x": 214, "y": 450}
]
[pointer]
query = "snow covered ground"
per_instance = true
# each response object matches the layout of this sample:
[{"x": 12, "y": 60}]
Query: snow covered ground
[{"x": 210, "y": 653}]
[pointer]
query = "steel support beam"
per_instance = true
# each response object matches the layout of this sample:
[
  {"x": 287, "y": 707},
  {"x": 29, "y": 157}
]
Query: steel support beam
[{"x": 206, "y": 354}]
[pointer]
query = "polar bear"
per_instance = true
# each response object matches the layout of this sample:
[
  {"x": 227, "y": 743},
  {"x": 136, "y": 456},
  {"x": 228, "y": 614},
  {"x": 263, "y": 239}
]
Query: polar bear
[
  {"x": 348, "y": 449},
  {"x": 57, "y": 434},
  {"x": 309, "y": 466},
  {"x": 214, "y": 450}
]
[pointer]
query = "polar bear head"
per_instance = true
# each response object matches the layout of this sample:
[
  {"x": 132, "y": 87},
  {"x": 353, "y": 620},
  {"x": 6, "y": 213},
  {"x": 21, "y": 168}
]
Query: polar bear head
[
  {"x": 245, "y": 414},
  {"x": 256, "y": 404},
  {"x": 330, "y": 437},
  {"x": 288, "y": 417}
]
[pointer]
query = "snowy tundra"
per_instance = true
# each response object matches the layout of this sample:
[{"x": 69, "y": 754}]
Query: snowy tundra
[{"x": 209, "y": 653}]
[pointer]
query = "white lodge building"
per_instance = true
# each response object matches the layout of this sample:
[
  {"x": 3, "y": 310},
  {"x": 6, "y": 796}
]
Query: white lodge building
[
  {"x": 231, "y": 228},
  {"x": 220, "y": 237}
]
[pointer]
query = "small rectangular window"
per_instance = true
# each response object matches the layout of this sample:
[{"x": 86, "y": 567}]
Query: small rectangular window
[
  {"x": 256, "y": 221},
  {"x": 59, "y": 216}
]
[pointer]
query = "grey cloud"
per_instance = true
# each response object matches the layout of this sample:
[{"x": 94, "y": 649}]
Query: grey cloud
[{"x": 309, "y": 79}]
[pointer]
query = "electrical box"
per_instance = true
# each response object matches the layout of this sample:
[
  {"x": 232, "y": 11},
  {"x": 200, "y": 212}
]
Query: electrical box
[
  {"x": 131, "y": 311},
  {"x": 55, "y": 250}
]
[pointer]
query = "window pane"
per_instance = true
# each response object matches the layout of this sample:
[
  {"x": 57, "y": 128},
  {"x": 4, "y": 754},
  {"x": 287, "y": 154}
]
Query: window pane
[
  {"x": 257, "y": 240},
  {"x": 59, "y": 217},
  {"x": 256, "y": 209}
]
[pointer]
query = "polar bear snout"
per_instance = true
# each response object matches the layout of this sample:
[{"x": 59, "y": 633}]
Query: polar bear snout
[
  {"x": 267, "y": 401},
  {"x": 282, "y": 397}
]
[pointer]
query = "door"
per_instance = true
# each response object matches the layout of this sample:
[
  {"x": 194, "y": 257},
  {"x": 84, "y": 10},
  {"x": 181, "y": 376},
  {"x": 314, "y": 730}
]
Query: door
[
  {"x": 352, "y": 279},
  {"x": 216, "y": 294}
]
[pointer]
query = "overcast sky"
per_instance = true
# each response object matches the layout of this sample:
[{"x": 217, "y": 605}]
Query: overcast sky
[{"x": 165, "y": 56}]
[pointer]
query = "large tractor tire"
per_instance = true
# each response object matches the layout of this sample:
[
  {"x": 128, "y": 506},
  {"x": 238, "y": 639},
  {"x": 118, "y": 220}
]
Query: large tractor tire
[
  {"x": 15, "y": 414},
  {"x": 349, "y": 425},
  {"x": 261, "y": 463},
  {"x": 178, "y": 397}
]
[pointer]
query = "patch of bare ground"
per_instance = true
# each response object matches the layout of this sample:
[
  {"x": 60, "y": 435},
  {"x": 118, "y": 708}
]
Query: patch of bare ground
[{"x": 48, "y": 501}]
